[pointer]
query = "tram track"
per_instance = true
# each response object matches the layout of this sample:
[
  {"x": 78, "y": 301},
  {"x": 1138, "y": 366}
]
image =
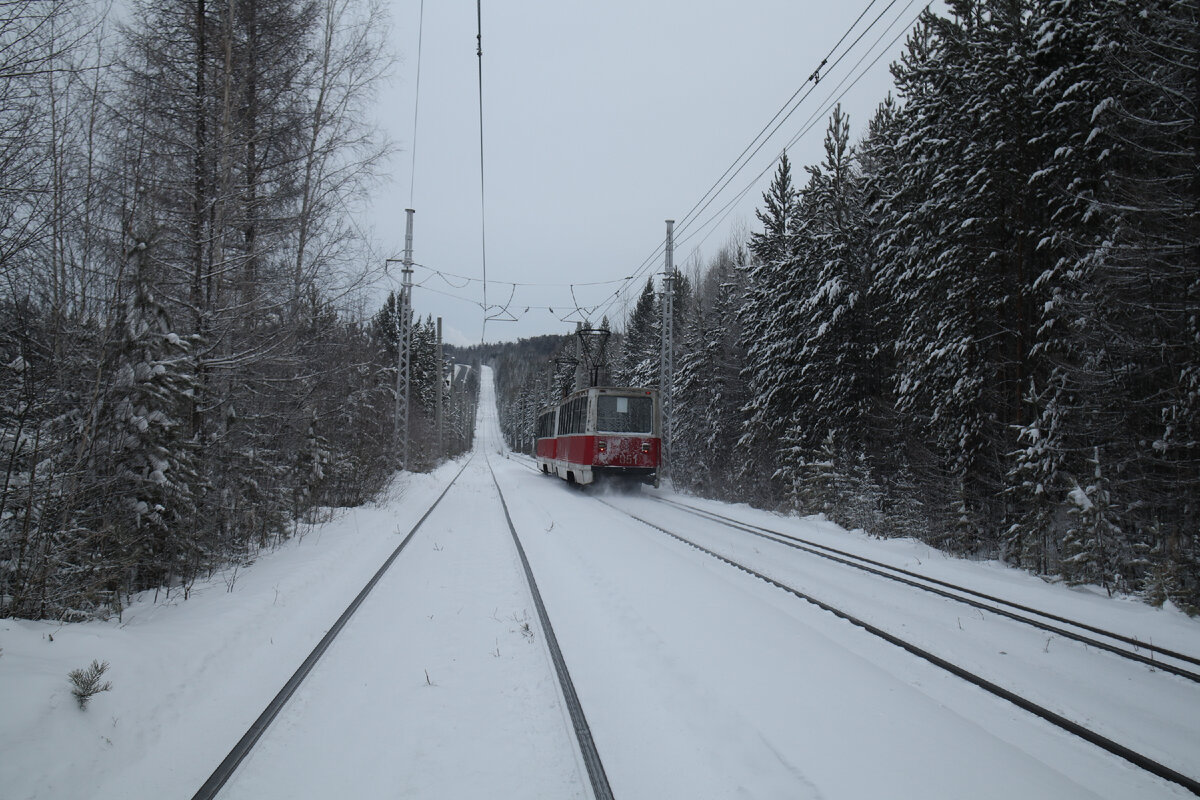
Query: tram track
[
  {"x": 600, "y": 788},
  {"x": 1060, "y": 721},
  {"x": 225, "y": 770},
  {"x": 1127, "y": 647},
  {"x": 1124, "y": 646}
]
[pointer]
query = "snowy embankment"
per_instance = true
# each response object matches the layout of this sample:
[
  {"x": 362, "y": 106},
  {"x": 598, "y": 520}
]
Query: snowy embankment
[
  {"x": 188, "y": 677},
  {"x": 742, "y": 689}
]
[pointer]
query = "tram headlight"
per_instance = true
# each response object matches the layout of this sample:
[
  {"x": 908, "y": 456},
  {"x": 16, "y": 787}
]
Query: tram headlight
[{"x": 602, "y": 445}]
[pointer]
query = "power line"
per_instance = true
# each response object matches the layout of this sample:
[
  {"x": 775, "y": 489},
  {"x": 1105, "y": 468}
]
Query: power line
[
  {"x": 504, "y": 312},
  {"x": 412, "y": 175},
  {"x": 541, "y": 284},
  {"x": 823, "y": 109},
  {"x": 726, "y": 178},
  {"x": 734, "y": 168},
  {"x": 830, "y": 100},
  {"x": 483, "y": 193},
  {"x": 814, "y": 79}
]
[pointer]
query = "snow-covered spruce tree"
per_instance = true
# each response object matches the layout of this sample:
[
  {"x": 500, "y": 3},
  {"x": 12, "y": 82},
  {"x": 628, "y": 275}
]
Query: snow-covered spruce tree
[
  {"x": 694, "y": 455},
  {"x": 1054, "y": 442},
  {"x": 211, "y": 117},
  {"x": 1114, "y": 335},
  {"x": 835, "y": 340},
  {"x": 142, "y": 456},
  {"x": 641, "y": 343},
  {"x": 1093, "y": 543},
  {"x": 890, "y": 454},
  {"x": 234, "y": 149},
  {"x": 773, "y": 287},
  {"x": 962, "y": 258},
  {"x": 709, "y": 390},
  {"x": 425, "y": 372},
  {"x": 1148, "y": 320}
]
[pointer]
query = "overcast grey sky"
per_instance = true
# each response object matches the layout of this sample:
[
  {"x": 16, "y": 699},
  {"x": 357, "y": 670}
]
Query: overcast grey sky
[{"x": 601, "y": 120}]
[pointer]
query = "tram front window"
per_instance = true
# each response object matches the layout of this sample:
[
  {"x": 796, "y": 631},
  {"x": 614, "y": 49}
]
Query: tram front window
[{"x": 616, "y": 414}]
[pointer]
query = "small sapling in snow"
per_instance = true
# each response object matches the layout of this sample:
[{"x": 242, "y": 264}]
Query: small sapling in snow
[{"x": 86, "y": 682}]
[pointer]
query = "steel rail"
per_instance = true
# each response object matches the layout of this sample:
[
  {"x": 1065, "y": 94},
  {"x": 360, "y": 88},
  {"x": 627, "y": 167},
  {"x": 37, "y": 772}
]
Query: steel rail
[
  {"x": 859, "y": 562},
  {"x": 583, "y": 732},
  {"x": 1132, "y": 756},
  {"x": 229, "y": 765}
]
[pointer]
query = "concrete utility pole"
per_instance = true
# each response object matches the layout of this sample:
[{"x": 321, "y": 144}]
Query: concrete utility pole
[
  {"x": 404, "y": 345},
  {"x": 666, "y": 366}
]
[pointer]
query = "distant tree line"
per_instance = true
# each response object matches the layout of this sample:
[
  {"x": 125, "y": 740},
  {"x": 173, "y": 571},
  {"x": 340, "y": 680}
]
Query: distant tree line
[
  {"x": 980, "y": 324},
  {"x": 186, "y": 373}
]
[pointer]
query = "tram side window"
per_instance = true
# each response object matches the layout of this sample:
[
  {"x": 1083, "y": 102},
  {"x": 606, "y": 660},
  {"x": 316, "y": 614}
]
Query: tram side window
[
  {"x": 576, "y": 407},
  {"x": 572, "y": 416}
]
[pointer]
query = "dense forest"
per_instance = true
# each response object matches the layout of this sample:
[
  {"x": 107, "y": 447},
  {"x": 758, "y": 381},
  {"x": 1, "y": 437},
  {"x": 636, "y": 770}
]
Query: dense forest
[
  {"x": 188, "y": 369},
  {"x": 979, "y": 323}
]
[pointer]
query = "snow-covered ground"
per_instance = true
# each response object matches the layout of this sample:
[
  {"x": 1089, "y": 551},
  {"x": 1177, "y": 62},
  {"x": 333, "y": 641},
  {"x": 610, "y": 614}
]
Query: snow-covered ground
[{"x": 698, "y": 681}]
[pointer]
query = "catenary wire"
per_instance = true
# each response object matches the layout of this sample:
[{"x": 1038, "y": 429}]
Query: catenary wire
[
  {"x": 503, "y": 312},
  {"x": 687, "y": 221},
  {"x": 702, "y": 205},
  {"x": 827, "y": 104},
  {"x": 812, "y": 78}
]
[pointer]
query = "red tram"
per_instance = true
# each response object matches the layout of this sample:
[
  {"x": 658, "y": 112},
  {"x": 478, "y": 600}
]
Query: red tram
[{"x": 601, "y": 432}]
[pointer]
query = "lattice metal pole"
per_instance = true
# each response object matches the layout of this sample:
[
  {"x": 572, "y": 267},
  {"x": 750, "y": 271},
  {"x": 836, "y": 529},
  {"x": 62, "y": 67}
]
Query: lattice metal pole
[
  {"x": 666, "y": 366},
  {"x": 441, "y": 388},
  {"x": 404, "y": 349}
]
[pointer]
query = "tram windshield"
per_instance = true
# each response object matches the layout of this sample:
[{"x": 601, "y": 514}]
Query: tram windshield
[{"x": 616, "y": 414}]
